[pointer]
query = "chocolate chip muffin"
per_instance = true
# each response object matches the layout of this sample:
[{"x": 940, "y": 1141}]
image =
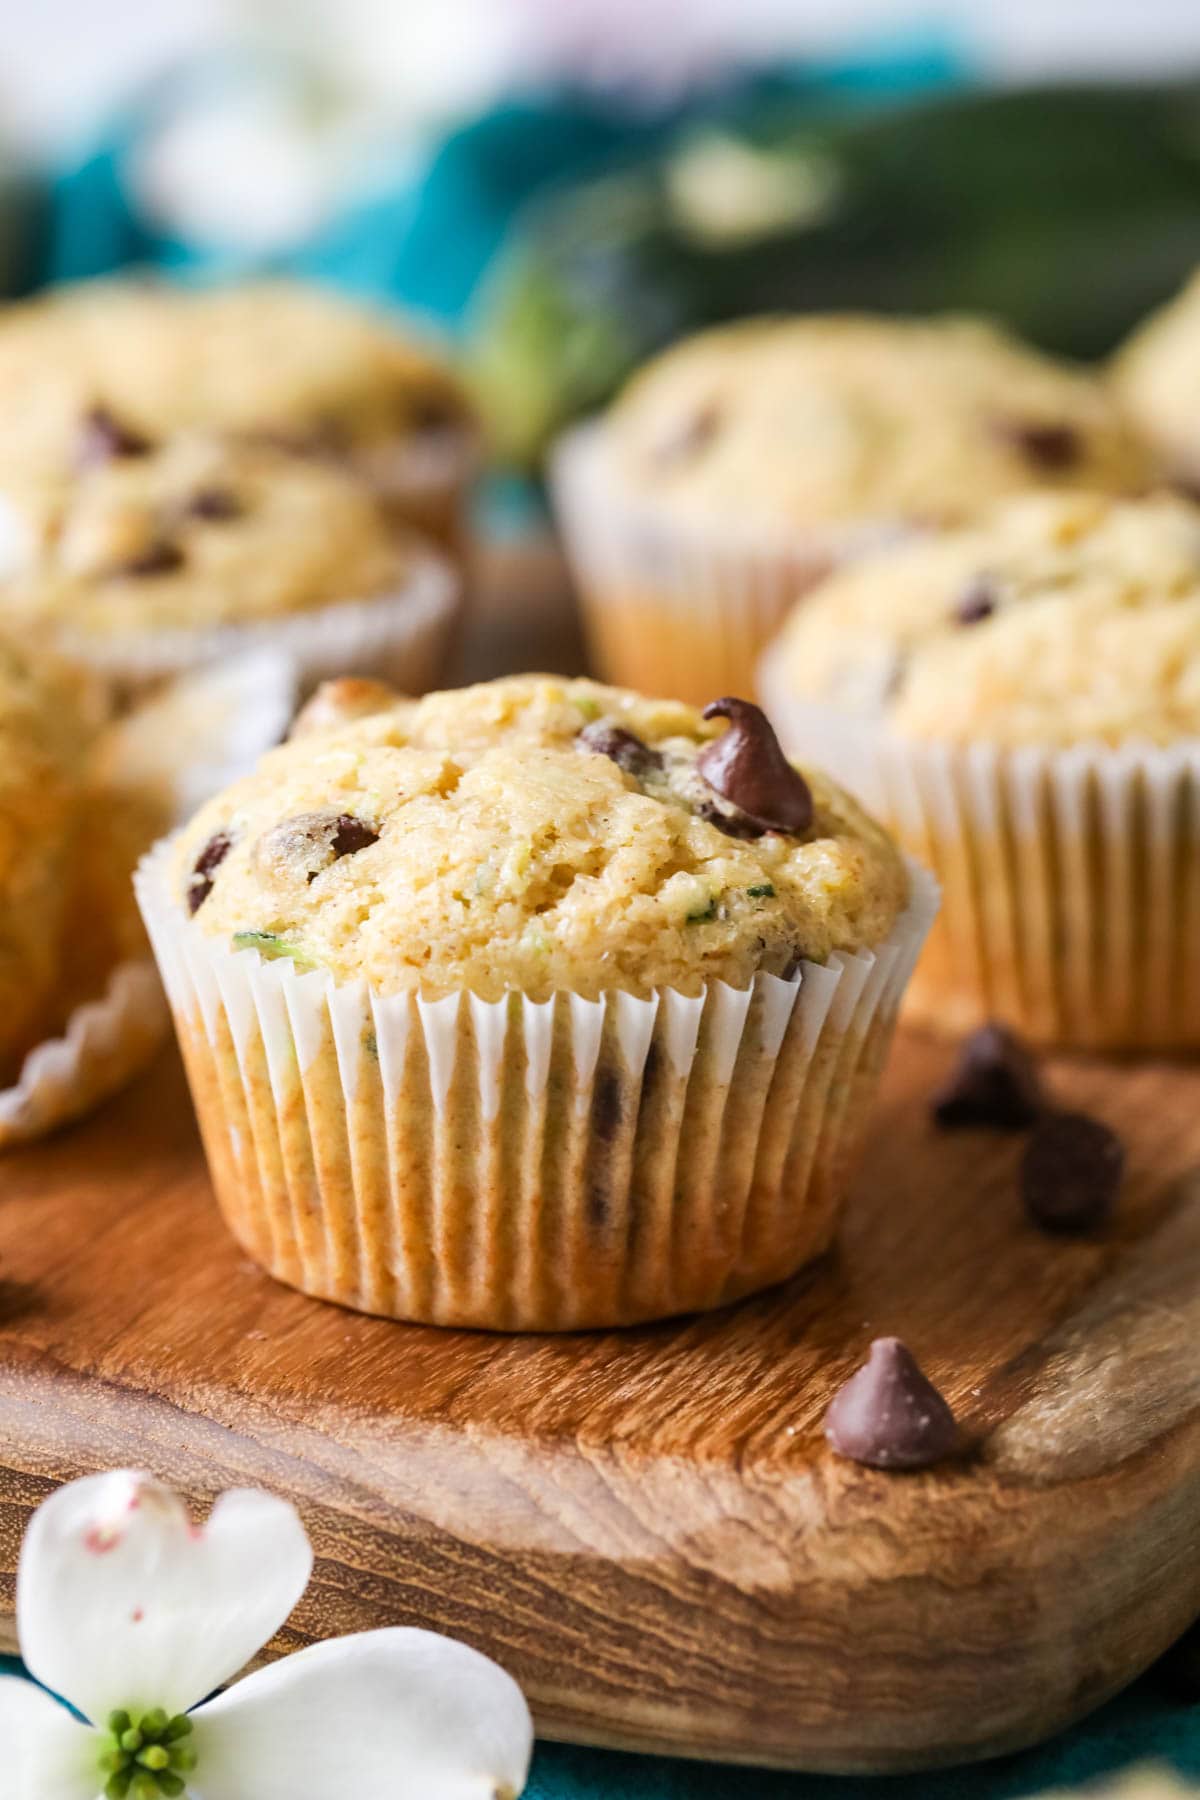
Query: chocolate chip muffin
[
  {"x": 278, "y": 361},
  {"x": 1021, "y": 698},
  {"x": 523, "y": 934},
  {"x": 49, "y": 715},
  {"x": 166, "y": 553},
  {"x": 741, "y": 465}
]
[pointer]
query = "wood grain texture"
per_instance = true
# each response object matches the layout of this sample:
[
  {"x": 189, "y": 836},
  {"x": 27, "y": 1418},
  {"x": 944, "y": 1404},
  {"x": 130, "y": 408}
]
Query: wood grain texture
[{"x": 647, "y": 1527}]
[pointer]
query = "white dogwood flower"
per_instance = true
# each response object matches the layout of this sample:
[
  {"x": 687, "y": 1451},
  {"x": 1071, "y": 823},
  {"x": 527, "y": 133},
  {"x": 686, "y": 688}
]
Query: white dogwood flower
[{"x": 134, "y": 1614}]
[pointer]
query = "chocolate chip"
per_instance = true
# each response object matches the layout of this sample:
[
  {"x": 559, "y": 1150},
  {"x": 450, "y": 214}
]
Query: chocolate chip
[
  {"x": 978, "y": 601},
  {"x": 734, "y": 825},
  {"x": 310, "y": 843},
  {"x": 1177, "y": 1674},
  {"x": 994, "y": 1082},
  {"x": 1049, "y": 446},
  {"x": 103, "y": 438},
  {"x": 889, "y": 1415},
  {"x": 747, "y": 768},
  {"x": 213, "y": 503},
  {"x": 162, "y": 557},
  {"x": 200, "y": 882},
  {"x": 1071, "y": 1173},
  {"x": 351, "y": 835},
  {"x": 620, "y": 746}
]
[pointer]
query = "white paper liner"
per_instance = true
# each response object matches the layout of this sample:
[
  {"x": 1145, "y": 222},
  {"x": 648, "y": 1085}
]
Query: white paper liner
[
  {"x": 677, "y": 606},
  {"x": 1071, "y": 877},
  {"x": 401, "y": 637},
  {"x": 106, "y": 1043},
  {"x": 523, "y": 1165},
  {"x": 224, "y": 719}
]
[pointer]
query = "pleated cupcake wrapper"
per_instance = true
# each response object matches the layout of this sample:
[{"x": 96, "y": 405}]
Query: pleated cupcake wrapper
[
  {"x": 106, "y": 1043},
  {"x": 1070, "y": 877},
  {"x": 108, "y": 1040},
  {"x": 401, "y": 637},
  {"x": 673, "y": 606},
  {"x": 521, "y": 1164}
]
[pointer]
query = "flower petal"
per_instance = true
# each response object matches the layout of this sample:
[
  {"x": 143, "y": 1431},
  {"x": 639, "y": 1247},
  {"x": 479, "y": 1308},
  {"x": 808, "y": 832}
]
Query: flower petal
[
  {"x": 386, "y": 1715},
  {"x": 47, "y": 1755},
  {"x": 123, "y": 1602}
]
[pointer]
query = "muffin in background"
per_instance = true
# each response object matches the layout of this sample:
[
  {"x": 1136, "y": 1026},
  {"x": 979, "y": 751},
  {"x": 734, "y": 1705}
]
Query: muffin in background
[
  {"x": 1155, "y": 377},
  {"x": 478, "y": 968},
  {"x": 154, "y": 559},
  {"x": 741, "y": 466},
  {"x": 1020, "y": 701},
  {"x": 273, "y": 361},
  {"x": 49, "y": 715}
]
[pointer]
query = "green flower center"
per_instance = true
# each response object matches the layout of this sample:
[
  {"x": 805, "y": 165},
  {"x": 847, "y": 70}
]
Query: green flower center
[{"x": 144, "y": 1758}]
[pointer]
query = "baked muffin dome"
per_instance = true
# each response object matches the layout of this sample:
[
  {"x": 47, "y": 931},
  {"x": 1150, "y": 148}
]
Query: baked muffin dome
[
  {"x": 782, "y": 423},
  {"x": 200, "y": 532},
  {"x": 49, "y": 715},
  {"x": 1156, "y": 379},
  {"x": 272, "y": 358},
  {"x": 1057, "y": 619},
  {"x": 540, "y": 835}
]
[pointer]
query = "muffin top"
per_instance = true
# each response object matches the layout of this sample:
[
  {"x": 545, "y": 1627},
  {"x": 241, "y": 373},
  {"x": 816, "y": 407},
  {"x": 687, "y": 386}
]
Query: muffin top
[
  {"x": 786, "y": 422},
  {"x": 196, "y": 533},
  {"x": 541, "y": 835},
  {"x": 275, "y": 360},
  {"x": 1057, "y": 619},
  {"x": 1156, "y": 377}
]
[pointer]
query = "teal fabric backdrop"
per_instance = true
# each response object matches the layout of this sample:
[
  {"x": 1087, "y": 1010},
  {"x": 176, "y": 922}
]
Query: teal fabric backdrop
[{"x": 1138, "y": 1726}]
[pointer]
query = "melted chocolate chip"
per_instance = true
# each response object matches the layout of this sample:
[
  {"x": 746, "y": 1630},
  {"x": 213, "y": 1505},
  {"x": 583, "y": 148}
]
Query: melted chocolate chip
[
  {"x": 200, "y": 882},
  {"x": 977, "y": 602},
  {"x": 623, "y": 747},
  {"x": 1071, "y": 1173},
  {"x": 103, "y": 438},
  {"x": 162, "y": 557},
  {"x": 889, "y": 1415},
  {"x": 734, "y": 825},
  {"x": 747, "y": 768},
  {"x": 1048, "y": 446},
  {"x": 351, "y": 835},
  {"x": 310, "y": 843},
  {"x": 994, "y": 1082},
  {"x": 212, "y": 503}
]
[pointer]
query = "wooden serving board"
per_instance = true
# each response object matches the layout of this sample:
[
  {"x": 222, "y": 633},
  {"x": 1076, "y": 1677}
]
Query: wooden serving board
[{"x": 647, "y": 1528}]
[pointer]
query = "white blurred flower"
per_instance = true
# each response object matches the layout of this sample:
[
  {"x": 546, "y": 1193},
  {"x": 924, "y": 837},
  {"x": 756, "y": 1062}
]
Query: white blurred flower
[{"x": 134, "y": 1615}]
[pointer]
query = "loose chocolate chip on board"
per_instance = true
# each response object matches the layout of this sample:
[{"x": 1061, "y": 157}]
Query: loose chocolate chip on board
[
  {"x": 747, "y": 768},
  {"x": 200, "y": 882},
  {"x": 623, "y": 747},
  {"x": 994, "y": 1082},
  {"x": 889, "y": 1415},
  {"x": 162, "y": 557},
  {"x": 976, "y": 603},
  {"x": 1071, "y": 1173},
  {"x": 1049, "y": 446},
  {"x": 103, "y": 438}
]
